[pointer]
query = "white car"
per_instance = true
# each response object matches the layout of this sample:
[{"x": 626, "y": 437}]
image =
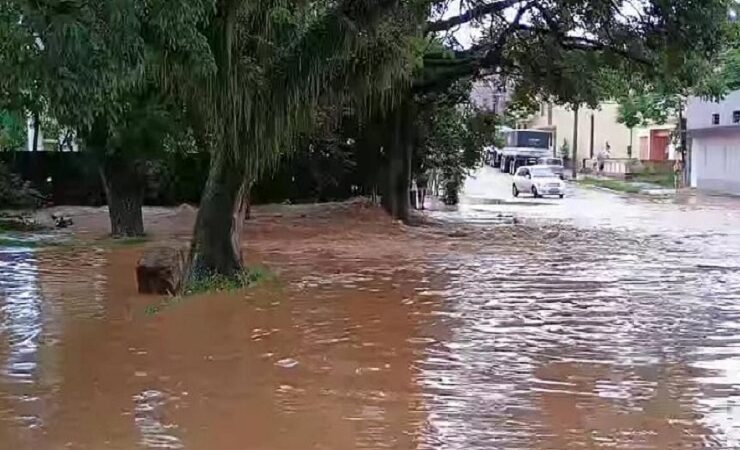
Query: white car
[{"x": 537, "y": 180}]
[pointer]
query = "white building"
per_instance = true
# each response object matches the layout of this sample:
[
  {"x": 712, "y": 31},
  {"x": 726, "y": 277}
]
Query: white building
[
  {"x": 597, "y": 127},
  {"x": 66, "y": 141},
  {"x": 714, "y": 130},
  {"x": 491, "y": 94}
]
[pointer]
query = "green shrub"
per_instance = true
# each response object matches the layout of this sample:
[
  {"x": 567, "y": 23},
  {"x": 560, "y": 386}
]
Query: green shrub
[
  {"x": 15, "y": 192},
  {"x": 220, "y": 283}
]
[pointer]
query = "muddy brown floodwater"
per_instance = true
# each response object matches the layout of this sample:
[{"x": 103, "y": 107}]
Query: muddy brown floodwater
[{"x": 595, "y": 322}]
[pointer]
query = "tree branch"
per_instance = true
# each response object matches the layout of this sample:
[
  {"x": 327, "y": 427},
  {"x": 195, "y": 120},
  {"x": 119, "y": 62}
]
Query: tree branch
[
  {"x": 470, "y": 15},
  {"x": 584, "y": 43}
]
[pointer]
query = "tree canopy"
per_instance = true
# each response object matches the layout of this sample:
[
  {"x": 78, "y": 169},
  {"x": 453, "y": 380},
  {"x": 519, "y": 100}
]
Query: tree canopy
[{"x": 246, "y": 78}]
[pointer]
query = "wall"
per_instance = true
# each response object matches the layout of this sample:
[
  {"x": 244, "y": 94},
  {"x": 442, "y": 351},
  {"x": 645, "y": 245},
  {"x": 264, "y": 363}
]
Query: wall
[
  {"x": 606, "y": 129},
  {"x": 699, "y": 112},
  {"x": 72, "y": 178},
  {"x": 715, "y": 148}
]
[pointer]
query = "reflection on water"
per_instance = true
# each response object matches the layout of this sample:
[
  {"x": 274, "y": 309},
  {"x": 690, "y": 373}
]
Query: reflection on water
[
  {"x": 544, "y": 332},
  {"x": 20, "y": 313},
  {"x": 719, "y": 360},
  {"x": 148, "y": 411}
]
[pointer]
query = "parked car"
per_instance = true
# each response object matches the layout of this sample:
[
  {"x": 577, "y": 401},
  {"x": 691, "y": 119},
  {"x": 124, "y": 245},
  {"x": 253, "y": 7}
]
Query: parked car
[
  {"x": 555, "y": 164},
  {"x": 538, "y": 180}
]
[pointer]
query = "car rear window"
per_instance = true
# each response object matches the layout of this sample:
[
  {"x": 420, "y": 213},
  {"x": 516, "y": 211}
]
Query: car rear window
[{"x": 541, "y": 173}]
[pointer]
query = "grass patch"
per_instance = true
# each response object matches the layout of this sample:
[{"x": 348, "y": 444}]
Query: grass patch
[
  {"x": 213, "y": 283},
  {"x": 166, "y": 303},
  {"x": 12, "y": 224},
  {"x": 665, "y": 180},
  {"x": 614, "y": 185},
  {"x": 126, "y": 241},
  {"x": 220, "y": 283},
  {"x": 9, "y": 242}
]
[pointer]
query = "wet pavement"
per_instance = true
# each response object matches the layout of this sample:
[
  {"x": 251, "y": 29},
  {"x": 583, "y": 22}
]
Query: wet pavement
[{"x": 596, "y": 321}]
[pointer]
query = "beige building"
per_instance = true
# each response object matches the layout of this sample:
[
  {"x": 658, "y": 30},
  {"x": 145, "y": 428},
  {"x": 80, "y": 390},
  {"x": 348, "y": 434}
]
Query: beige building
[{"x": 598, "y": 126}]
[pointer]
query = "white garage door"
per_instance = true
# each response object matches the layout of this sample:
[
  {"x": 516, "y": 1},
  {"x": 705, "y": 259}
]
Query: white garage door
[{"x": 716, "y": 163}]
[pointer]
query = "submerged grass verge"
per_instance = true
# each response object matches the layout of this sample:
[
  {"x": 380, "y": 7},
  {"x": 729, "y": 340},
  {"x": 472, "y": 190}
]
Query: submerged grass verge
[
  {"x": 614, "y": 185},
  {"x": 665, "y": 180},
  {"x": 14, "y": 242},
  {"x": 115, "y": 241},
  {"x": 8, "y": 224},
  {"x": 221, "y": 283},
  {"x": 250, "y": 277}
]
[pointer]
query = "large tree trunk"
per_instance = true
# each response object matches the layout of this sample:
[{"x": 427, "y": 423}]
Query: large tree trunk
[
  {"x": 36, "y": 131},
  {"x": 216, "y": 246},
  {"x": 123, "y": 182},
  {"x": 396, "y": 194}
]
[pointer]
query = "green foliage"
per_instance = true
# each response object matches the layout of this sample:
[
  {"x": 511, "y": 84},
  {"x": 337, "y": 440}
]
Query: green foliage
[
  {"x": 221, "y": 283},
  {"x": 213, "y": 283},
  {"x": 453, "y": 141},
  {"x": 644, "y": 109},
  {"x": 569, "y": 52},
  {"x": 12, "y": 131},
  {"x": 614, "y": 185},
  {"x": 521, "y": 109},
  {"x": 664, "y": 180},
  {"x": 89, "y": 66},
  {"x": 13, "y": 223},
  {"x": 643, "y": 102},
  {"x": 15, "y": 192}
]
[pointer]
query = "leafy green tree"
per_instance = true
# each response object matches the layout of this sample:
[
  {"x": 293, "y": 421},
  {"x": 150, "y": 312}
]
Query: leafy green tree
[
  {"x": 643, "y": 102},
  {"x": 275, "y": 61},
  {"x": 12, "y": 131},
  {"x": 91, "y": 66},
  {"x": 643, "y": 109},
  {"x": 249, "y": 75},
  {"x": 570, "y": 52},
  {"x": 453, "y": 145}
]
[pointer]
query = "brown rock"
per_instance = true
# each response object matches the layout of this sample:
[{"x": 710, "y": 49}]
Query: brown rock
[{"x": 161, "y": 270}]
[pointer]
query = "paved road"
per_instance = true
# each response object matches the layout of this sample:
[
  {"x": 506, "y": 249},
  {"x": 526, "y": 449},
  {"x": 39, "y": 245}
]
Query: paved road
[
  {"x": 596, "y": 321},
  {"x": 488, "y": 192}
]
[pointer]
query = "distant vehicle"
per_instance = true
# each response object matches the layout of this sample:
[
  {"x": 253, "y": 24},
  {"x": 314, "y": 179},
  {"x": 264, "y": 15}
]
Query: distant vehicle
[
  {"x": 555, "y": 164},
  {"x": 538, "y": 180},
  {"x": 523, "y": 147}
]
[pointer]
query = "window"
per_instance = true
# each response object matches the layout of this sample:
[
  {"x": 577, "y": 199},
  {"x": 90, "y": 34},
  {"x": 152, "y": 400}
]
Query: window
[
  {"x": 523, "y": 172},
  {"x": 542, "y": 173},
  {"x": 736, "y": 117},
  {"x": 715, "y": 119}
]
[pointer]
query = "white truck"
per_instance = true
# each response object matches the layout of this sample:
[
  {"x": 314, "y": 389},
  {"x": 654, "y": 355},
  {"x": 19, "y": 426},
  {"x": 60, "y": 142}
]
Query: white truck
[{"x": 523, "y": 148}]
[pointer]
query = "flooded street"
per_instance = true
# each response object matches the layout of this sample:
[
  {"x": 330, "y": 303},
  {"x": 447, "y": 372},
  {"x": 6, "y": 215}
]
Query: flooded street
[{"x": 596, "y": 321}]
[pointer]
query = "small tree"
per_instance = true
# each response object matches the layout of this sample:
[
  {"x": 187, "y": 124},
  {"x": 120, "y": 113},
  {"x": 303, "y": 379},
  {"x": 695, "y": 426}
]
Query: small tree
[
  {"x": 628, "y": 113},
  {"x": 455, "y": 137}
]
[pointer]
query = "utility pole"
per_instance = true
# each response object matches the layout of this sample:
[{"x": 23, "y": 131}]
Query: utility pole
[
  {"x": 682, "y": 147},
  {"x": 574, "y": 161},
  {"x": 591, "y": 147}
]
